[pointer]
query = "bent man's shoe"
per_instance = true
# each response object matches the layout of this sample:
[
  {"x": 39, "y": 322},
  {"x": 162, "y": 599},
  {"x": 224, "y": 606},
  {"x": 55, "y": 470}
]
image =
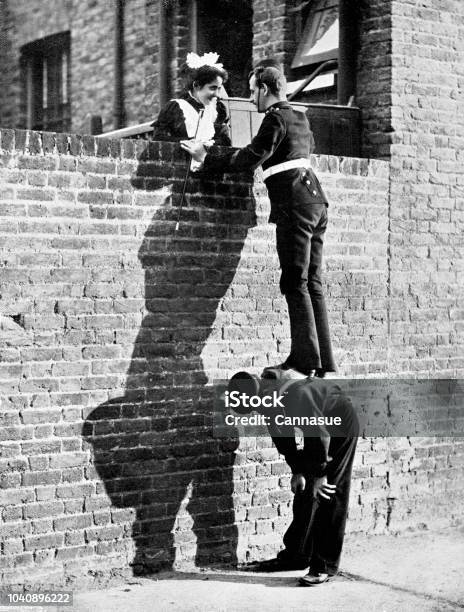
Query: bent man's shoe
[
  {"x": 277, "y": 565},
  {"x": 313, "y": 578}
]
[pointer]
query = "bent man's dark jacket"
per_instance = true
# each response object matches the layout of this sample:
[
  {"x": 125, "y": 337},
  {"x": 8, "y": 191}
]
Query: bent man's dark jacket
[
  {"x": 284, "y": 135},
  {"x": 313, "y": 398}
]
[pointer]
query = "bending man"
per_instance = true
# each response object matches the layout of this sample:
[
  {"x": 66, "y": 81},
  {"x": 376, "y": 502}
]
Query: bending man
[{"x": 321, "y": 470}]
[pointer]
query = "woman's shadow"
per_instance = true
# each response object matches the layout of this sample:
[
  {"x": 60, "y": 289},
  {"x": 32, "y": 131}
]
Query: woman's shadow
[{"x": 154, "y": 448}]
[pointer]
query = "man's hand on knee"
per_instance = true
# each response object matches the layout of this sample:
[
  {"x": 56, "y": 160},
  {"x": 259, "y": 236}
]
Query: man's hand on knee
[
  {"x": 322, "y": 488},
  {"x": 298, "y": 483}
]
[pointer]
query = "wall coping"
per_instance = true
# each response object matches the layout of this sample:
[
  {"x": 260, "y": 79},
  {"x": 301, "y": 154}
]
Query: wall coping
[{"x": 30, "y": 142}]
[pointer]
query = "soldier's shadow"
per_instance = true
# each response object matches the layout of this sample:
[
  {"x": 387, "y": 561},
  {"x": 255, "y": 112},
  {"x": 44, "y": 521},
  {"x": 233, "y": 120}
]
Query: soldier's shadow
[{"x": 154, "y": 448}]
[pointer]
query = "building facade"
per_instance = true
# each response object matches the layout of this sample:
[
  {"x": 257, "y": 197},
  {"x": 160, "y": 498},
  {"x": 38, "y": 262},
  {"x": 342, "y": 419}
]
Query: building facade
[
  {"x": 119, "y": 60},
  {"x": 111, "y": 330}
]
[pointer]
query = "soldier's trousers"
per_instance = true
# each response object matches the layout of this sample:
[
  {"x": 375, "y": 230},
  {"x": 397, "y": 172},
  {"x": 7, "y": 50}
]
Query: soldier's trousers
[
  {"x": 318, "y": 527},
  {"x": 299, "y": 247}
]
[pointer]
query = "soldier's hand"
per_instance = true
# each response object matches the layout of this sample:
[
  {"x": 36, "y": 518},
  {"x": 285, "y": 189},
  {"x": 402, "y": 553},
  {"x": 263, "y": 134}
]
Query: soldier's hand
[
  {"x": 323, "y": 488},
  {"x": 298, "y": 483}
]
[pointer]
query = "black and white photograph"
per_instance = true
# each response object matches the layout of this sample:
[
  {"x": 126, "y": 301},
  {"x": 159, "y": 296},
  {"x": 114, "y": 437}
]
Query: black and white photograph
[{"x": 231, "y": 305}]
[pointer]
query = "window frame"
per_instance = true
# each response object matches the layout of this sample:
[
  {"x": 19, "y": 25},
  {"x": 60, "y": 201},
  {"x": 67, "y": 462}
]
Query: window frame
[
  {"x": 45, "y": 77},
  {"x": 311, "y": 27}
]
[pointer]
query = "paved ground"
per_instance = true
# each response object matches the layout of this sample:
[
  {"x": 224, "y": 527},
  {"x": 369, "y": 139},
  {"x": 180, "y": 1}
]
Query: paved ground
[{"x": 420, "y": 573}]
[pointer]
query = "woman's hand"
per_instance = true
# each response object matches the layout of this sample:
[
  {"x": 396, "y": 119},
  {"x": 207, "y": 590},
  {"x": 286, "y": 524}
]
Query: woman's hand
[{"x": 195, "y": 148}]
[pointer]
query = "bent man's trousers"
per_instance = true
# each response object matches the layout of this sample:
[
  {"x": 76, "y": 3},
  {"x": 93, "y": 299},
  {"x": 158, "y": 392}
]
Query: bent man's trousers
[{"x": 318, "y": 527}]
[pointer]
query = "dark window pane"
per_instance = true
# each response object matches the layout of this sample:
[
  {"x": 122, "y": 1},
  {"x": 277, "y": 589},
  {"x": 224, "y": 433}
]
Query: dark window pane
[
  {"x": 45, "y": 77},
  {"x": 225, "y": 26}
]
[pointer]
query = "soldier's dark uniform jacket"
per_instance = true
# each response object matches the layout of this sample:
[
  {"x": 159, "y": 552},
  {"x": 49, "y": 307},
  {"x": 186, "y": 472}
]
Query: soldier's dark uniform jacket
[{"x": 284, "y": 135}]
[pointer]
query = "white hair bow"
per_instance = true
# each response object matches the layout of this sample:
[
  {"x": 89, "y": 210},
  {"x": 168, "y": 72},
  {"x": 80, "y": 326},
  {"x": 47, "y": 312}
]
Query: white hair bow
[{"x": 207, "y": 59}]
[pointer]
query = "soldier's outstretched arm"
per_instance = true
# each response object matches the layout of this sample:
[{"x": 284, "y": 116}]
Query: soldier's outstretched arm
[{"x": 263, "y": 145}]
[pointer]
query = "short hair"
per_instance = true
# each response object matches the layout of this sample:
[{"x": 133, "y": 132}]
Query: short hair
[
  {"x": 268, "y": 62},
  {"x": 203, "y": 75},
  {"x": 246, "y": 383},
  {"x": 271, "y": 76}
]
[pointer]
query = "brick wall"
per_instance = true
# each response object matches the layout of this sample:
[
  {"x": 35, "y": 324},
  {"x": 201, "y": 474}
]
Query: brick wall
[
  {"x": 373, "y": 78},
  {"x": 137, "y": 106},
  {"x": 272, "y": 31},
  {"x": 427, "y": 184},
  {"x": 150, "y": 103},
  {"x": 92, "y": 56},
  {"x": 8, "y": 66},
  {"x": 179, "y": 20},
  {"x": 111, "y": 328}
]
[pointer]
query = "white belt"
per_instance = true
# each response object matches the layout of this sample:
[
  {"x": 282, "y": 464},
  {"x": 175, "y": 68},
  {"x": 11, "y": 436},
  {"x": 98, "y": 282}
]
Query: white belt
[{"x": 303, "y": 162}]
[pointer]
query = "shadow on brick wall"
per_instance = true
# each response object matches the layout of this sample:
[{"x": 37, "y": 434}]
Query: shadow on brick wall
[{"x": 153, "y": 447}]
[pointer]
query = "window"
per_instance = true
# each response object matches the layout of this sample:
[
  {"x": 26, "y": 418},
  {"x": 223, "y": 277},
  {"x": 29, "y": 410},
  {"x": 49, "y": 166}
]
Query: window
[
  {"x": 45, "y": 80},
  {"x": 226, "y": 26},
  {"x": 319, "y": 40},
  {"x": 316, "y": 29}
]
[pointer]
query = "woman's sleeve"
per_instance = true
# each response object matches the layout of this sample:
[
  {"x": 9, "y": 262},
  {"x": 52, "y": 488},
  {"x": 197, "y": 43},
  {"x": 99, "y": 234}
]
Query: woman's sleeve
[
  {"x": 170, "y": 124},
  {"x": 222, "y": 126}
]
